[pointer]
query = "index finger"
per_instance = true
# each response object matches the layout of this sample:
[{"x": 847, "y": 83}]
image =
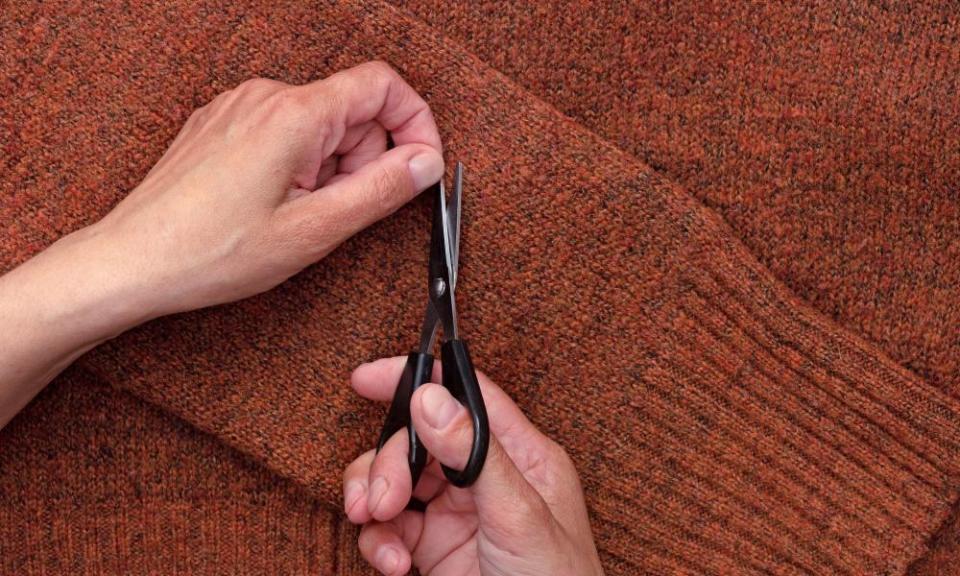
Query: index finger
[
  {"x": 374, "y": 92},
  {"x": 378, "y": 380}
]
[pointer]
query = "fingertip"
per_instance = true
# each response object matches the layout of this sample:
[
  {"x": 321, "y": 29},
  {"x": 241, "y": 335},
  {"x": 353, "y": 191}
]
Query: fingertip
[
  {"x": 437, "y": 406},
  {"x": 355, "y": 488},
  {"x": 390, "y": 484},
  {"x": 359, "y": 376},
  {"x": 426, "y": 167},
  {"x": 379, "y": 488},
  {"x": 382, "y": 546},
  {"x": 388, "y": 560},
  {"x": 378, "y": 379},
  {"x": 354, "y": 503},
  {"x": 442, "y": 424}
]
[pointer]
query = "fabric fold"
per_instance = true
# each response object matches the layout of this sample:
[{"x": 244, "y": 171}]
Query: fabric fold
[
  {"x": 154, "y": 497},
  {"x": 843, "y": 184}
]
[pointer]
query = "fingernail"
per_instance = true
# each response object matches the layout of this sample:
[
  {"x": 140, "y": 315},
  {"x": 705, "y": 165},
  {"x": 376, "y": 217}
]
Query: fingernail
[
  {"x": 388, "y": 560},
  {"x": 426, "y": 169},
  {"x": 352, "y": 495},
  {"x": 439, "y": 407},
  {"x": 377, "y": 491}
]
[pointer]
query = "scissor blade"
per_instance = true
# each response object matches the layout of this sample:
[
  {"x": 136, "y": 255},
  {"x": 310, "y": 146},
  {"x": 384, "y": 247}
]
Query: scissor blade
[
  {"x": 428, "y": 332},
  {"x": 453, "y": 215},
  {"x": 448, "y": 245},
  {"x": 441, "y": 257}
]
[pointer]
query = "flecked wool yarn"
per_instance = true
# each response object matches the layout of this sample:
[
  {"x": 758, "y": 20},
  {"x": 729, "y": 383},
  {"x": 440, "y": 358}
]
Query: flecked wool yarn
[{"x": 709, "y": 249}]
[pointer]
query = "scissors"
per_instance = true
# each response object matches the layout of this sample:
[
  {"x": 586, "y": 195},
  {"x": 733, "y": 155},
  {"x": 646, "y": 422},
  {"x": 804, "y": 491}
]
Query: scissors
[{"x": 459, "y": 376}]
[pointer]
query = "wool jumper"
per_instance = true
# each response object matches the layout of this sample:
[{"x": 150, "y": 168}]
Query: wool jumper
[{"x": 713, "y": 249}]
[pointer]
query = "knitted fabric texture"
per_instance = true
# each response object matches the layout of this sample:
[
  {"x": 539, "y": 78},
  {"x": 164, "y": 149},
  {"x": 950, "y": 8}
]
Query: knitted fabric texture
[{"x": 710, "y": 250}]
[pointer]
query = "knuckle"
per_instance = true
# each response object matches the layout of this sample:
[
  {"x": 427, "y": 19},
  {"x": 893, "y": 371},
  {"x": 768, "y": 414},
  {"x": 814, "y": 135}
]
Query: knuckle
[
  {"x": 330, "y": 101},
  {"x": 254, "y": 85},
  {"x": 288, "y": 101},
  {"x": 260, "y": 90},
  {"x": 551, "y": 466},
  {"x": 556, "y": 453},
  {"x": 379, "y": 69},
  {"x": 221, "y": 97},
  {"x": 288, "y": 107},
  {"x": 564, "y": 463},
  {"x": 198, "y": 115},
  {"x": 462, "y": 431},
  {"x": 330, "y": 91},
  {"x": 220, "y": 101},
  {"x": 368, "y": 74}
]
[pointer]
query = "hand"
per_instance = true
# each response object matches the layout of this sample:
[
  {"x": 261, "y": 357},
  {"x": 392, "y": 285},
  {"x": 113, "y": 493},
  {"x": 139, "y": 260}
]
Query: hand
[
  {"x": 525, "y": 515},
  {"x": 269, "y": 178},
  {"x": 263, "y": 181}
]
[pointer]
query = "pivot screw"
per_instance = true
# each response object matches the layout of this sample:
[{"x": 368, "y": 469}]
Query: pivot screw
[{"x": 439, "y": 287}]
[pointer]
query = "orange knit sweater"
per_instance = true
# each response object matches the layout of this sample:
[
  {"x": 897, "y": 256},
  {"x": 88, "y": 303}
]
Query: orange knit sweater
[{"x": 712, "y": 250}]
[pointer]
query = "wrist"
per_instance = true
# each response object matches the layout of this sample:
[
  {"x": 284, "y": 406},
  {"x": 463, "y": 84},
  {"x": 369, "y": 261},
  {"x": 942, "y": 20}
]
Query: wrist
[
  {"x": 116, "y": 292},
  {"x": 79, "y": 289},
  {"x": 55, "y": 307}
]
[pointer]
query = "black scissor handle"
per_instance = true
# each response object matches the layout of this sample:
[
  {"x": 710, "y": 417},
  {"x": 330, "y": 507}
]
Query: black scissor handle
[
  {"x": 415, "y": 373},
  {"x": 460, "y": 378}
]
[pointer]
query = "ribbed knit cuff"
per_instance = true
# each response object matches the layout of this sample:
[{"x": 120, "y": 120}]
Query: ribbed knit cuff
[
  {"x": 94, "y": 481},
  {"x": 751, "y": 435},
  {"x": 349, "y": 560},
  {"x": 158, "y": 536}
]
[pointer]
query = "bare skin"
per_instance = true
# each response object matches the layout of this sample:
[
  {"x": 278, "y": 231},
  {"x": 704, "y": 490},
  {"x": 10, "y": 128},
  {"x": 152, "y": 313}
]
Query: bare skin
[
  {"x": 263, "y": 181},
  {"x": 524, "y": 516},
  {"x": 260, "y": 183}
]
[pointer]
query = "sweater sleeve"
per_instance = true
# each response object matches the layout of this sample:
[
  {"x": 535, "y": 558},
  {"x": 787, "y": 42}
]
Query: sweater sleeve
[{"x": 720, "y": 425}]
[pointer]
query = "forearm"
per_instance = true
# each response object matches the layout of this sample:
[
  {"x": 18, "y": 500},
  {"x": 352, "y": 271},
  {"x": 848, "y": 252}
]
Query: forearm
[{"x": 58, "y": 305}]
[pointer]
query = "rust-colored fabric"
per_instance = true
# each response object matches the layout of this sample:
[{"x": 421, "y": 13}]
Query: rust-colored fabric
[
  {"x": 95, "y": 481},
  {"x": 826, "y": 134},
  {"x": 720, "y": 423}
]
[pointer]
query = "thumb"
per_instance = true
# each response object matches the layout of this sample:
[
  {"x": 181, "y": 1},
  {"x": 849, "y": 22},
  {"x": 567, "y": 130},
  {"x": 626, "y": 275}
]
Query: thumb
[
  {"x": 507, "y": 505},
  {"x": 354, "y": 201}
]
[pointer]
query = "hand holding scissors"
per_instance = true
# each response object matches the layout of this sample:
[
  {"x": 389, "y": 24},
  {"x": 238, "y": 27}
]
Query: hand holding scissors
[{"x": 459, "y": 376}]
